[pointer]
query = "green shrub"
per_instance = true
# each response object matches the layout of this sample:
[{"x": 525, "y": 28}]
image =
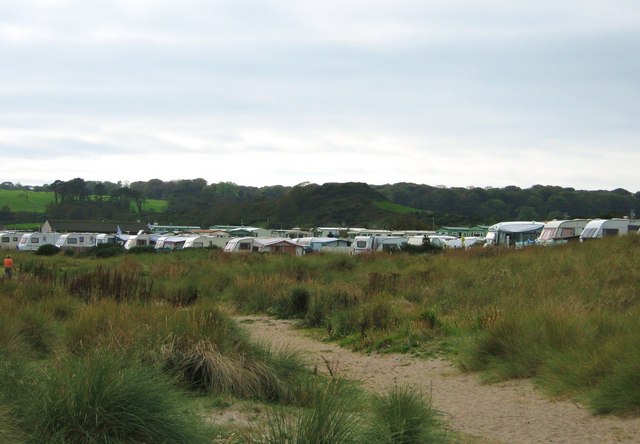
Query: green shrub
[
  {"x": 142, "y": 250},
  {"x": 108, "y": 250},
  {"x": 47, "y": 250}
]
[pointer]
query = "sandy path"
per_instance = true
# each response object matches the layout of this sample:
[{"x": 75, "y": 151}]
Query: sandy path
[{"x": 510, "y": 412}]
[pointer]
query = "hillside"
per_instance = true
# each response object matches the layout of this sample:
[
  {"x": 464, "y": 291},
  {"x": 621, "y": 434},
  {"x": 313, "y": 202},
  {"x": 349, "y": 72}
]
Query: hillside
[{"x": 393, "y": 206}]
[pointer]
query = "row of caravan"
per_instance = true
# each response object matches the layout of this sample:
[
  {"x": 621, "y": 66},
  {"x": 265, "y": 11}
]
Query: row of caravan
[
  {"x": 511, "y": 234},
  {"x": 31, "y": 241},
  {"x": 518, "y": 233}
]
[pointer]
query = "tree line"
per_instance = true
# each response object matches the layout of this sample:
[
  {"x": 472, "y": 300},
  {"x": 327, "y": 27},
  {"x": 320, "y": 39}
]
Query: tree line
[{"x": 197, "y": 202}]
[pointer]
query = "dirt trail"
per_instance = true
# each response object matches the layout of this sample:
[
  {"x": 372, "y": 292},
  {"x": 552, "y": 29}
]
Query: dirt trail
[{"x": 510, "y": 412}]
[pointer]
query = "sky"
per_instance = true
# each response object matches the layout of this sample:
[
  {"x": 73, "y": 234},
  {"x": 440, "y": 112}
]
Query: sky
[{"x": 280, "y": 92}]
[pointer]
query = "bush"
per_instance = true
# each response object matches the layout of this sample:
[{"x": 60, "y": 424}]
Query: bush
[
  {"x": 101, "y": 399},
  {"x": 108, "y": 250},
  {"x": 142, "y": 250},
  {"x": 47, "y": 250}
]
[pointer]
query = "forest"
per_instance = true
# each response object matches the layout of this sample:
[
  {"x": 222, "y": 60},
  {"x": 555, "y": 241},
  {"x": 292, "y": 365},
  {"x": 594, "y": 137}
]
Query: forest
[{"x": 390, "y": 206}]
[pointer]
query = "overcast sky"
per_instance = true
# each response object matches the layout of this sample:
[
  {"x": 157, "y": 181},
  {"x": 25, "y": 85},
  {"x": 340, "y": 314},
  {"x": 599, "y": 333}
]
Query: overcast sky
[{"x": 266, "y": 92}]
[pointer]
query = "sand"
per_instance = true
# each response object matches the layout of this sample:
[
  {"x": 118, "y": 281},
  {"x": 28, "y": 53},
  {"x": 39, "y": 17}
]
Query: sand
[{"x": 510, "y": 412}]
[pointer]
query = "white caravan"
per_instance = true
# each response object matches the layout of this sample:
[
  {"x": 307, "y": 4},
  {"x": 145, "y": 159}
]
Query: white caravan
[
  {"x": 141, "y": 240},
  {"x": 599, "y": 228},
  {"x": 76, "y": 240},
  {"x": 9, "y": 240},
  {"x": 33, "y": 241},
  {"x": 513, "y": 234},
  {"x": 205, "y": 241},
  {"x": 370, "y": 244},
  {"x": 561, "y": 231},
  {"x": 109, "y": 239},
  {"x": 323, "y": 244}
]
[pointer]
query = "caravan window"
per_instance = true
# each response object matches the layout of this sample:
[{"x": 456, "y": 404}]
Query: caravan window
[
  {"x": 72, "y": 240},
  {"x": 34, "y": 240},
  {"x": 361, "y": 244},
  {"x": 567, "y": 232},
  {"x": 244, "y": 246},
  {"x": 609, "y": 232},
  {"x": 547, "y": 233},
  {"x": 6, "y": 239}
]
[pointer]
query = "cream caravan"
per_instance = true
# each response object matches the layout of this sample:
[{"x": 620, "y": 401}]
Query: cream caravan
[
  {"x": 599, "y": 228},
  {"x": 561, "y": 231}
]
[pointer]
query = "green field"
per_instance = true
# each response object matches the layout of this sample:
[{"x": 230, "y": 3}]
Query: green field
[
  {"x": 24, "y": 200},
  {"x": 37, "y": 201}
]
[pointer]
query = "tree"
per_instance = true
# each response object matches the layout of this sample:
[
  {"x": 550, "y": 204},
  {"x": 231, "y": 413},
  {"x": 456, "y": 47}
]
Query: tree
[
  {"x": 527, "y": 213},
  {"x": 100, "y": 190}
]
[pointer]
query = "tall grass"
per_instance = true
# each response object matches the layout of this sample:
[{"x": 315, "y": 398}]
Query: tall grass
[
  {"x": 102, "y": 398},
  {"x": 564, "y": 315},
  {"x": 404, "y": 415},
  {"x": 333, "y": 417}
]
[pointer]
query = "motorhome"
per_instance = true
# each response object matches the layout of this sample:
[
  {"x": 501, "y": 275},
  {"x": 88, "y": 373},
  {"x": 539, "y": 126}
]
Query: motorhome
[
  {"x": 561, "y": 231},
  {"x": 33, "y": 241},
  {"x": 513, "y": 234},
  {"x": 9, "y": 240},
  {"x": 370, "y": 244},
  {"x": 599, "y": 228},
  {"x": 76, "y": 240}
]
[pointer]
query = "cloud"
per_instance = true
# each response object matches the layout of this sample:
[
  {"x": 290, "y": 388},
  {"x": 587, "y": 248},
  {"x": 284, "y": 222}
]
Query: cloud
[{"x": 447, "y": 92}]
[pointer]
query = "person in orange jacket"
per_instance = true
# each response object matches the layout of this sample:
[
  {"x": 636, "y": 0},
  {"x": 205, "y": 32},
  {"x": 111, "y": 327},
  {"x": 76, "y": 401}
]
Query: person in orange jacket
[{"x": 8, "y": 267}]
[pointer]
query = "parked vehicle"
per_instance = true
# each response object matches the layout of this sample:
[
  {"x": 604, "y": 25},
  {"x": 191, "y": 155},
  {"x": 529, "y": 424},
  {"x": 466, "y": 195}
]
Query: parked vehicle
[
  {"x": 561, "y": 231},
  {"x": 33, "y": 241},
  {"x": 9, "y": 240},
  {"x": 369, "y": 244},
  {"x": 76, "y": 240},
  {"x": 263, "y": 245},
  {"x": 599, "y": 228},
  {"x": 323, "y": 244},
  {"x": 141, "y": 239},
  {"x": 513, "y": 234},
  {"x": 109, "y": 239}
]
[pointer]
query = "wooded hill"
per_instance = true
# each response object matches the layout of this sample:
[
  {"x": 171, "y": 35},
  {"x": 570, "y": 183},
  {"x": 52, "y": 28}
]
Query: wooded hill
[{"x": 393, "y": 206}]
